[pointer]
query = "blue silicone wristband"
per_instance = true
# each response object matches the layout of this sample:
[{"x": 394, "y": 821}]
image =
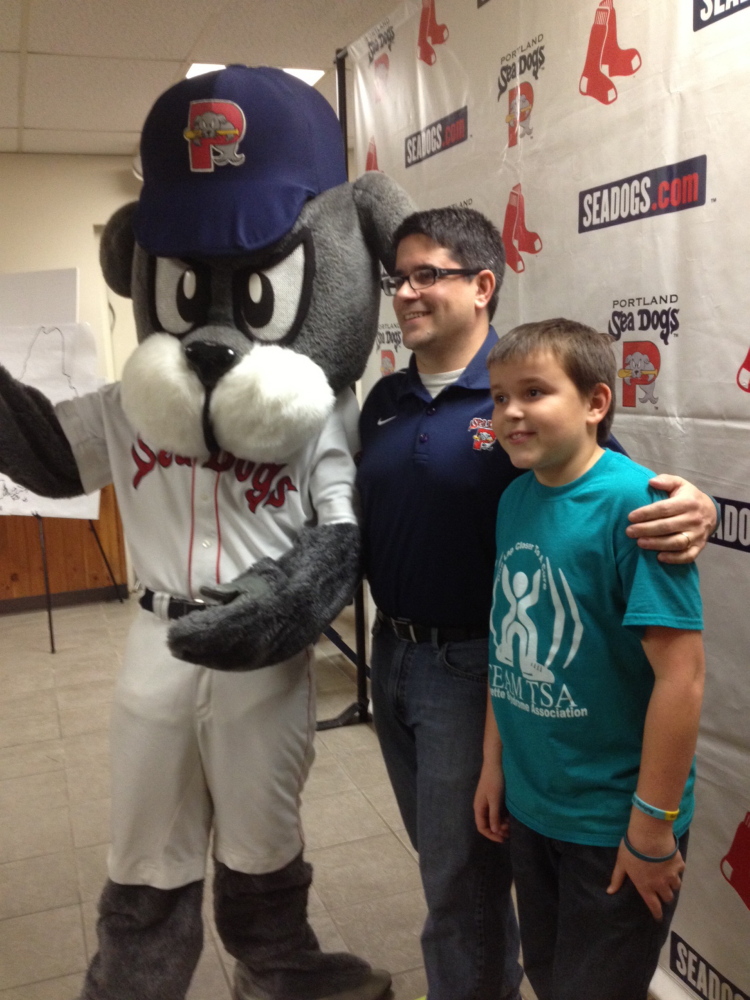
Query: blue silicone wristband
[
  {"x": 647, "y": 857},
  {"x": 668, "y": 814}
]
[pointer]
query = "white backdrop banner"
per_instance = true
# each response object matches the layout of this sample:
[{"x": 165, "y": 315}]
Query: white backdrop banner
[{"x": 605, "y": 140}]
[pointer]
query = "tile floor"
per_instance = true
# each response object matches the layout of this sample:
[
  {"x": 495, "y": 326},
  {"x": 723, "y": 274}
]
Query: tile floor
[{"x": 54, "y": 816}]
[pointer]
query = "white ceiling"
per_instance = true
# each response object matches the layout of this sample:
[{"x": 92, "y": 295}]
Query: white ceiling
[{"x": 79, "y": 76}]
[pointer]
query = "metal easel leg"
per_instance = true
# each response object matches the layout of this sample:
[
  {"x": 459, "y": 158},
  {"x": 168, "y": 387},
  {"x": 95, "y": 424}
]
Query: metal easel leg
[
  {"x": 359, "y": 710},
  {"x": 40, "y": 525}
]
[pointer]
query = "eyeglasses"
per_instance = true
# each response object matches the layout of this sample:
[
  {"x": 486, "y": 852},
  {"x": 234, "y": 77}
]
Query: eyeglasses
[{"x": 422, "y": 277}]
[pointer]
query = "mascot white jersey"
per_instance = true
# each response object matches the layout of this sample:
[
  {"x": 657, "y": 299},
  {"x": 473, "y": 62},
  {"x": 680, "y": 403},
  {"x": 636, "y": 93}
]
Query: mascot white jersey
[{"x": 253, "y": 269}]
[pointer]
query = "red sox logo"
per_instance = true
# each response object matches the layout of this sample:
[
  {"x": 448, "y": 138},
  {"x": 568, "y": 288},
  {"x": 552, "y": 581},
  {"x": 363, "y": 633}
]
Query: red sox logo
[
  {"x": 430, "y": 32},
  {"x": 735, "y": 865},
  {"x": 605, "y": 58},
  {"x": 215, "y": 130},
  {"x": 641, "y": 363},
  {"x": 371, "y": 162},
  {"x": 743, "y": 374},
  {"x": 516, "y": 237}
]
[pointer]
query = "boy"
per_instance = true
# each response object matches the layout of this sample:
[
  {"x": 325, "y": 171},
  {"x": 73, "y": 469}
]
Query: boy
[{"x": 596, "y": 680}]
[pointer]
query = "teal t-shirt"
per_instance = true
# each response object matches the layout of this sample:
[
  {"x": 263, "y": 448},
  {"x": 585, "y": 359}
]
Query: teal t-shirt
[{"x": 569, "y": 680}]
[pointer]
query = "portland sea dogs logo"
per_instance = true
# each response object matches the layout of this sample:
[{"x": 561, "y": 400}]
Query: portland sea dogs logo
[
  {"x": 520, "y": 106},
  {"x": 214, "y": 133},
  {"x": 482, "y": 433},
  {"x": 641, "y": 363}
]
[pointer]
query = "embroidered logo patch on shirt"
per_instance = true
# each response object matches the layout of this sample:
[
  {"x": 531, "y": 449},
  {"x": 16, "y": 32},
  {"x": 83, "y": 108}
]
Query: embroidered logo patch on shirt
[{"x": 483, "y": 434}]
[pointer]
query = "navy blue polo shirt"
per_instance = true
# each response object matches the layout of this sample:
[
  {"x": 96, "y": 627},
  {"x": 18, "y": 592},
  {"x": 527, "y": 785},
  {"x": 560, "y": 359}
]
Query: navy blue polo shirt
[{"x": 430, "y": 477}]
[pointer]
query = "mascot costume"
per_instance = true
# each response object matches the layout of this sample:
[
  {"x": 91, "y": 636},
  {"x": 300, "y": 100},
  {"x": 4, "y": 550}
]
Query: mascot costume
[{"x": 253, "y": 268}]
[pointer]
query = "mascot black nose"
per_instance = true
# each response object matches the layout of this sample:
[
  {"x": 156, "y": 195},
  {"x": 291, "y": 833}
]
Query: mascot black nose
[{"x": 210, "y": 361}]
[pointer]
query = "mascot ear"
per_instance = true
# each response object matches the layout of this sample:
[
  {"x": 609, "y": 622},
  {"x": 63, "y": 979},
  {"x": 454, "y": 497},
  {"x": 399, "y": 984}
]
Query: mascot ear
[
  {"x": 117, "y": 248},
  {"x": 382, "y": 206}
]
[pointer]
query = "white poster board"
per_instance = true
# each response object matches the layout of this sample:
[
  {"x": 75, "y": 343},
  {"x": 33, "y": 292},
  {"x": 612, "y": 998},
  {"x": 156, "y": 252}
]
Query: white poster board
[{"x": 32, "y": 297}]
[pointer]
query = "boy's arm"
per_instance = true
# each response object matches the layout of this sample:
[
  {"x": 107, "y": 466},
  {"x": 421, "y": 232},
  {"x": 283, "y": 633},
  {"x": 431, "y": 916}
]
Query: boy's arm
[
  {"x": 669, "y": 739},
  {"x": 489, "y": 805},
  {"x": 664, "y": 525}
]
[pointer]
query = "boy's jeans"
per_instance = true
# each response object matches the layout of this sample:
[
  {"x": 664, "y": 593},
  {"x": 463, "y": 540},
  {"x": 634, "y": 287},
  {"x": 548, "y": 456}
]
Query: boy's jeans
[
  {"x": 429, "y": 705},
  {"x": 578, "y": 942}
]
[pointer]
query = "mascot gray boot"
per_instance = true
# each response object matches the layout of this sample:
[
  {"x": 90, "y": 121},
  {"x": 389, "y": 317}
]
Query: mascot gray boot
[
  {"x": 262, "y": 921},
  {"x": 150, "y": 941}
]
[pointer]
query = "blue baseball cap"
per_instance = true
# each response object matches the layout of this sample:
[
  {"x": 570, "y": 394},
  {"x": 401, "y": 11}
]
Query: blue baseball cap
[{"x": 229, "y": 159}]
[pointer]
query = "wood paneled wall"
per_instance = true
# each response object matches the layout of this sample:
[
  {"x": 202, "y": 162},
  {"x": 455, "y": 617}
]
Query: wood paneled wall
[{"x": 74, "y": 561}]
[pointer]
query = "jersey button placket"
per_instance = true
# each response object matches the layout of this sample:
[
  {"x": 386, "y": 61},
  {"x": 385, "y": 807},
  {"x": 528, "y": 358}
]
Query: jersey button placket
[{"x": 205, "y": 530}]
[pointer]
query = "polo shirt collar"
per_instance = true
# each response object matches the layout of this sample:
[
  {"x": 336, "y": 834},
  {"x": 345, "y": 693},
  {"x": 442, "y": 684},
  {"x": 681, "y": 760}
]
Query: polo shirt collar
[{"x": 475, "y": 375}]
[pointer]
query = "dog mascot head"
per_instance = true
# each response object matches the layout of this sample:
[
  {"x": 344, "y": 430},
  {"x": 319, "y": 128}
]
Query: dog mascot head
[{"x": 252, "y": 265}]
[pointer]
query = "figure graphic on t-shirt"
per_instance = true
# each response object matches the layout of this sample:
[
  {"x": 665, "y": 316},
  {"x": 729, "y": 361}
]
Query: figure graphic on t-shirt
[{"x": 518, "y": 624}]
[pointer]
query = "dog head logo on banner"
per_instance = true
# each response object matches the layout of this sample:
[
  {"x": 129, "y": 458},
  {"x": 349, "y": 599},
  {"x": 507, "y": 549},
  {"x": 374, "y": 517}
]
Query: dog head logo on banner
[
  {"x": 605, "y": 58},
  {"x": 520, "y": 105},
  {"x": 641, "y": 363},
  {"x": 378, "y": 40},
  {"x": 381, "y": 68},
  {"x": 387, "y": 363}
]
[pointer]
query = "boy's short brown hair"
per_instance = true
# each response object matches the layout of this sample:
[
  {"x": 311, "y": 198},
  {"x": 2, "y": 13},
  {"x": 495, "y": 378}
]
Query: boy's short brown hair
[{"x": 585, "y": 356}]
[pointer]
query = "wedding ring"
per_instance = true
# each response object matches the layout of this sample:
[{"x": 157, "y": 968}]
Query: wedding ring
[{"x": 687, "y": 539}]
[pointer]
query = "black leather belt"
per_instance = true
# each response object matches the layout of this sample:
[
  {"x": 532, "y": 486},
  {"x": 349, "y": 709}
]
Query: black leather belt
[
  {"x": 411, "y": 632},
  {"x": 175, "y": 609}
]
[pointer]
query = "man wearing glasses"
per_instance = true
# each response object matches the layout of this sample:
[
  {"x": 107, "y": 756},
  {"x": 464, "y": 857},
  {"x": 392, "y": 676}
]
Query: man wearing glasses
[{"x": 430, "y": 478}]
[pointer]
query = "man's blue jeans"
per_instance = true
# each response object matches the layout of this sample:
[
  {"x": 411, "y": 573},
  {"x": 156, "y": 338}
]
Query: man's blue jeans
[{"x": 429, "y": 705}]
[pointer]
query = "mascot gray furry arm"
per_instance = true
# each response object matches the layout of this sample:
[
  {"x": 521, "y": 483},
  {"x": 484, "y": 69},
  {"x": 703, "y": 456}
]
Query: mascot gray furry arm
[{"x": 243, "y": 349}]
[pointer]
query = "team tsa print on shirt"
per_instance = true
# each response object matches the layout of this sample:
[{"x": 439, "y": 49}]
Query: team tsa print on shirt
[{"x": 569, "y": 680}]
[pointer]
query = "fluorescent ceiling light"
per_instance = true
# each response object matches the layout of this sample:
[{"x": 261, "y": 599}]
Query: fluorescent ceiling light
[
  {"x": 310, "y": 76},
  {"x": 197, "y": 69}
]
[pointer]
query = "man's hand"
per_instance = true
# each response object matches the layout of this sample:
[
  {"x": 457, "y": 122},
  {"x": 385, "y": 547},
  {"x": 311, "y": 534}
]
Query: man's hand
[
  {"x": 656, "y": 883},
  {"x": 679, "y": 527},
  {"x": 489, "y": 804}
]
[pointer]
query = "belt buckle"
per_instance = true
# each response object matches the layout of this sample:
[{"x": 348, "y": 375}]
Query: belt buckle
[{"x": 400, "y": 623}]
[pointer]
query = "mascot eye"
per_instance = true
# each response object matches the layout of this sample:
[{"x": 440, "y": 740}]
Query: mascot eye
[
  {"x": 181, "y": 294},
  {"x": 271, "y": 303}
]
